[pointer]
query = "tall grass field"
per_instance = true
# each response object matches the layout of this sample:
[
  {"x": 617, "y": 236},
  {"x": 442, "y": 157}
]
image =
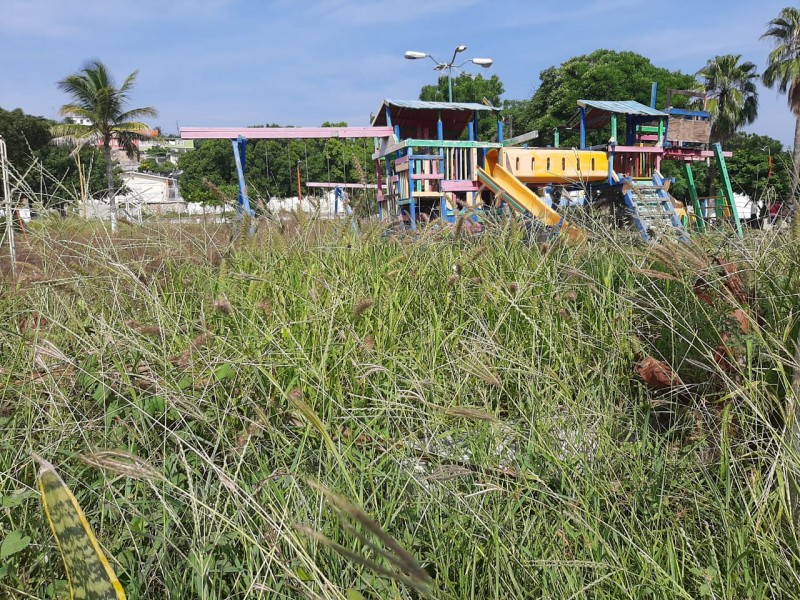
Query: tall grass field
[{"x": 315, "y": 413}]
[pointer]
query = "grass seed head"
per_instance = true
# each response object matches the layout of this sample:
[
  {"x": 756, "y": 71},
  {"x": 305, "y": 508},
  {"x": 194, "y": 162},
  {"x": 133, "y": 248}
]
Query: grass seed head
[
  {"x": 362, "y": 306},
  {"x": 222, "y": 305},
  {"x": 265, "y": 306},
  {"x": 368, "y": 343}
]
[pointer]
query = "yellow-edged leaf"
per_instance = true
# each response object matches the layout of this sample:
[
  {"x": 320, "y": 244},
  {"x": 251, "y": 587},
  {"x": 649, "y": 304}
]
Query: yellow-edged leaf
[{"x": 89, "y": 573}]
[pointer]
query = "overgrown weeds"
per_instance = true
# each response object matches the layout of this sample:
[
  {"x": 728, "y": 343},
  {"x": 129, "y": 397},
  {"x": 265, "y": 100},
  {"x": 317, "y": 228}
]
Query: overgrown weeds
[{"x": 233, "y": 416}]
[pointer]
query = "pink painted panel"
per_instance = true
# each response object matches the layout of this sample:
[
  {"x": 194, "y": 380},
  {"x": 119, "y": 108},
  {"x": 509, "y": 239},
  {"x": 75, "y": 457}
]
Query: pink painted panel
[
  {"x": 283, "y": 133},
  {"x": 427, "y": 176},
  {"x": 460, "y": 185},
  {"x": 347, "y": 186},
  {"x": 636, "y": 149}
]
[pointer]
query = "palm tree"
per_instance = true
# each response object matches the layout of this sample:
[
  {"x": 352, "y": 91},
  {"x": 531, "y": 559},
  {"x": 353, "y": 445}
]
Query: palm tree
[
  {"x": 732, "y": 100},
  {"x": 783, "y": 68},
  {"x": 732, "y": 95},
  {"x": 96, "y": 98}
]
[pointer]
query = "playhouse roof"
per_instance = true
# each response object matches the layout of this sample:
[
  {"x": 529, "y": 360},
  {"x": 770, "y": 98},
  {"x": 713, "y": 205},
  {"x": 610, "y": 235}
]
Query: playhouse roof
[
  {"x": 601, "y": 110},
  {"x": 415, "y": 116}
]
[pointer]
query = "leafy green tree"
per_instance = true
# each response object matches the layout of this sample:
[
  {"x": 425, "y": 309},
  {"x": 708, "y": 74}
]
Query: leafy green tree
[
  {"x": 470, "y": 88},
  {"x": 210, "y": 162},
  {"x": 749, "y": 167},
  {"x": 680, "y": 189},
  {"x": 149, "y": 165},
  {"x": 56, "y": 179},
  {"x": 24, "y": 135},
  {"x": 732, "y": 94},
  {"x": 601, "y": 75},
  {"x": 96, "y": 97},
  {"x": 783, "y": 69}
]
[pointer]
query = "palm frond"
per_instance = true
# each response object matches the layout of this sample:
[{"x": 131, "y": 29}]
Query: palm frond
[
  {"x": 783, "y": 63},
  {"x": 137, "y": 113}
]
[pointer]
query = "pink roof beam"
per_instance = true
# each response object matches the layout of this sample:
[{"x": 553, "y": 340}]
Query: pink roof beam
[
  {"x": 346, "y": 186},
  {"x": 283, "y": 133}
]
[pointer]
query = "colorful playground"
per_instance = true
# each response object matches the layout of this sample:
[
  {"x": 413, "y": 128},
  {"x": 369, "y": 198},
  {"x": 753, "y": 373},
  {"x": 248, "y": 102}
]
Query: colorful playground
[{"x": 431, "y": 167}]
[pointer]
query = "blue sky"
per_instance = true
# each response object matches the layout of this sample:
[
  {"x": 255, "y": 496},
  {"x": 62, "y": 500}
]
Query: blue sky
[{"x": 302, "y": 62}]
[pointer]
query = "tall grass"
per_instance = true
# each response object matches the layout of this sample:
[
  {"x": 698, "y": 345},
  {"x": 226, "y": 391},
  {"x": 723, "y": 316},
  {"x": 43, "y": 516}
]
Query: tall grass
[{"x": 228, "y": 418}]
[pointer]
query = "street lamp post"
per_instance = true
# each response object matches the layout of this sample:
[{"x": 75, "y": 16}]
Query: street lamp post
[{"x": 440, "y": 66}]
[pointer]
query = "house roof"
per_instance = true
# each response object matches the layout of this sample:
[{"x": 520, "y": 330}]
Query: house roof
[{"x": 415, "y": 116}]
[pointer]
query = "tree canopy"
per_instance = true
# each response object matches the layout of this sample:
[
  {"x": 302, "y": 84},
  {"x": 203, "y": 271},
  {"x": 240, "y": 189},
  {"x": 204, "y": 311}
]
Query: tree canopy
[
  {"x": 55, "y": 178},
  {"x": 24, "y": 135},
  {"x": 783, "y": 70},
  {"x": 601, "y": 75},
  {"x": 469, "y": 88},
  {"x": 750, "y": 170}
]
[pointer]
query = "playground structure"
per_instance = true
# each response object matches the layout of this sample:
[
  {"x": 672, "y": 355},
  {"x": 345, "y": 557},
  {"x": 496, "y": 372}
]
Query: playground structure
[
  {"x": 651, "y": 136},
  {"x": 430, "y": 164}
]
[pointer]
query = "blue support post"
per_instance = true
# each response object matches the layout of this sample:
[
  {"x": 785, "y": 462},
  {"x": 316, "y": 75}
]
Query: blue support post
[
  {"x": 500, "y": 130},
  {"x": 240, "y": 157},
  {"x": 653, "y": 93},
  {"x": 475, "y": 125},
  {"x": 583, "y": 128},
  {"x": 440, "y": 137},
  {"x": 630, "y": 131},
  {"x": 611, "y": 165},
  {"x": 412, "y": 206}
]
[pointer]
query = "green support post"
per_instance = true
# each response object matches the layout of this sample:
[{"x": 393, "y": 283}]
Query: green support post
[
  {"x": 727, "y": 190},
  {"x": 556, "y": 138},
  {"x": 699, "y": 218},
  {"x": 661, "y": 132},
  {"x": 614, "y": 127}
]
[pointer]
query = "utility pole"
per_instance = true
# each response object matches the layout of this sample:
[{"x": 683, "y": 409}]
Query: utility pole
[{"x": 8, "y": 209}]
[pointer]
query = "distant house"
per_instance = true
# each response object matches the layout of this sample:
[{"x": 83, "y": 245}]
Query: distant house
[
  {"x": 78, "y": 120},
  {"x": 153, "y": 193},
  {"x": 170, "y": 148}
]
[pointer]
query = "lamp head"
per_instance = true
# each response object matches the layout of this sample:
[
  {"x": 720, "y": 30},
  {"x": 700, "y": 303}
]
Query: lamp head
[
  {"x": 411, "y": 55},
  {"x": 483, "y": 62},
  {"x": 460, "y": 48}
]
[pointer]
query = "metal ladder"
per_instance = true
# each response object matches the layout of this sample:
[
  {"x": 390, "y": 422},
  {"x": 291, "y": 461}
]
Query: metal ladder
[{"x": 651, "y": 209}]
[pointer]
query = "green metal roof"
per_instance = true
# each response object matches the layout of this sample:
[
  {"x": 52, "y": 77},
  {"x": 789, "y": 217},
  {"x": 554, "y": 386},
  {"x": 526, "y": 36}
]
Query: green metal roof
[
  {"x": 622, "y": 107},
  {"x": 430, "y": 105},
  {"x": 415, "y": 116}
]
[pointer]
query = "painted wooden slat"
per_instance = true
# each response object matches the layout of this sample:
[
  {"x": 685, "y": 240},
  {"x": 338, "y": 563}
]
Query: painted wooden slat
[
  {"x": 642, "y": 149},
  {"x": 283, "y": 133},
  {"x": 460, "y": 185},
  {"x": 346, "y": 186}
]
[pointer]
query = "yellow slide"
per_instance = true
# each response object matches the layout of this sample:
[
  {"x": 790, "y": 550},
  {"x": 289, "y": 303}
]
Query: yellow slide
[{"x": 523, "y": 199}]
